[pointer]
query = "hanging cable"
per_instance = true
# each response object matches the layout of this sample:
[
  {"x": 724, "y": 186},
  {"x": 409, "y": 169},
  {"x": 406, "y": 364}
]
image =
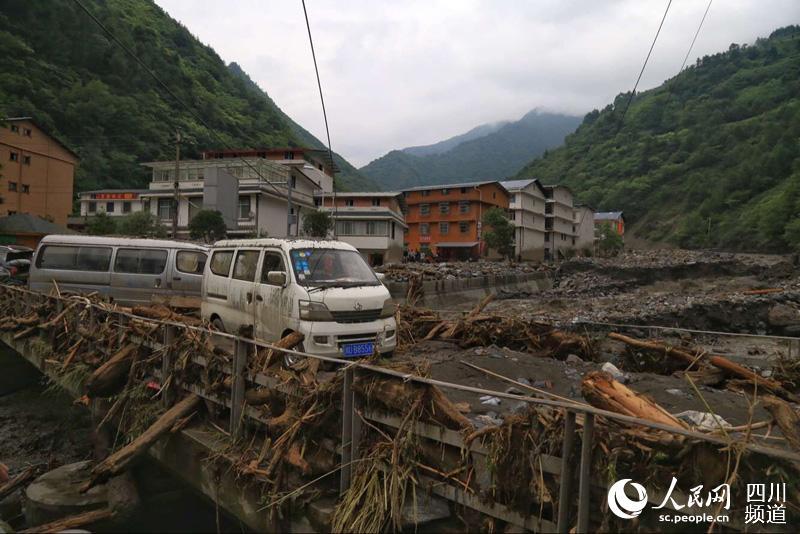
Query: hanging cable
[
  {"x": 324, "y": 116},
  {"x": 630, "y": 99},
  {"x": 695, "y": 35}
]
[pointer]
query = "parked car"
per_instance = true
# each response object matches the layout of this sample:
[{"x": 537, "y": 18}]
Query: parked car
[
  {"x": 322, "y": 289},
  {"x": 123, "y": 270},
  {"x": 15, "y": 262}
]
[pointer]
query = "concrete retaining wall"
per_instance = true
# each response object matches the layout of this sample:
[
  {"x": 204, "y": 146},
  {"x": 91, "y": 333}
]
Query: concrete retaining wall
[{"x": 444, "y": 293}]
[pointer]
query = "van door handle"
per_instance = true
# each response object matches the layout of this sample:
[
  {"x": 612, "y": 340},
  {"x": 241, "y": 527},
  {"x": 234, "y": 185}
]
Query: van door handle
[
  {"x": 249, "y": 297},
  {"x": 259, "y": 298},
  {"x": 176, "y": 278}
]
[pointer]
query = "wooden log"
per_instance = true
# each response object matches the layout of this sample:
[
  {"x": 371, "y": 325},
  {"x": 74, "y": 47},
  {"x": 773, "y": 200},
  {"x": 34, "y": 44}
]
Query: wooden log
[
  {"x": 289, "y": 341},
  {"x": 785, "y": 417},
  {"x": 72, "y": 522},
  {"x": 120, "y": 460},
  {"x": 602, "y": 391},
  {"x": 57, "y": 319},
  {"x": 18, "y": 481},
  {"x": 295, "y": 457},
  {"x": 31, "y": 330},
  {"x": 256, "y": 397},
  {"x": 107, "y": 379}
]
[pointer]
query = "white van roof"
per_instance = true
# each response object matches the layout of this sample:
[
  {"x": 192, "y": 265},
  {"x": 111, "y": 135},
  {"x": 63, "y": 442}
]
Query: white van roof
[
  {"x": 285, "y": 244},
  {"x": 118, "y": 241}
]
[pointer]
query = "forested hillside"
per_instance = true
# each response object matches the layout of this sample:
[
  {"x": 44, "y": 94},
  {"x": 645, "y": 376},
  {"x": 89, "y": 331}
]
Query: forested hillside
[
  {"x": 711, "y": 158},
  {"x": 494, "y": 156},
  {"x": 60, "y": 68}
]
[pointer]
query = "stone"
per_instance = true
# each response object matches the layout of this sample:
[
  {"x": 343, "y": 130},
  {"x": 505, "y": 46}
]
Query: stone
[
  {"x": 766, "y": 373},
  {"x": 573, "y": 359},
  {"x": 514, "y": 391},
  {"x": 703, "y": 420},
  {"x": 426, "y": 509},
  {"x": 783, "y": 315},
  {"x": 489, "y": 400},
  {"x": 56, "y": 494},
  {"x": 612, "y": 369},
  {"x": 678, "y": 393},
  {"x": 525, "y": 381}
]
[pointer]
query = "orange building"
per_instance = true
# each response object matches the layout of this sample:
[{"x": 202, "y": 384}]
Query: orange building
[
  {"x": 614, "y": 218},
  {"x": 36, "y": 172},
  {"x": 446, "y": 219}
]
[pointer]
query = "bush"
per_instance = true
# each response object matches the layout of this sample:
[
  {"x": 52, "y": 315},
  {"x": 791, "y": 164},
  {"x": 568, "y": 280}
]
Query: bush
[
  {"x": 101, "y": 224},
  {"x": 141, "y": 224},
  {"x": 208, "y": 225},
  {"x": 500, "y": 235},
  {"x": 609, "y": 242},
  {"x": 317, "y": 223}
]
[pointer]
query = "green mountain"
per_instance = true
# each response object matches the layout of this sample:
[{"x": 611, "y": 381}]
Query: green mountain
[
  {"x": 711, "y": 158},
  {"x": 349, "y": 177},
  {"x": 485, "y": 153},
  {"x": 59, "y": 67}
]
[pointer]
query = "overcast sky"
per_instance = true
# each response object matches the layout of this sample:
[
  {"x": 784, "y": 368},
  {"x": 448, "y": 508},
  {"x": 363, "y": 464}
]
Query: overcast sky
[{"x": 404, "y": 72}]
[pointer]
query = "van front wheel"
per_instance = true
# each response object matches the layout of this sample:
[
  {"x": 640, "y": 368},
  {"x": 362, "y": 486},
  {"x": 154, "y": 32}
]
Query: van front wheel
[{"x": 216, "y": 322}]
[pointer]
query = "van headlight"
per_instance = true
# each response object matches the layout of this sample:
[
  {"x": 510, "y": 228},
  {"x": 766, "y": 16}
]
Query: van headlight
[
  {"x": 389, "y": 308},
  {"x": 314, "y": 311}
]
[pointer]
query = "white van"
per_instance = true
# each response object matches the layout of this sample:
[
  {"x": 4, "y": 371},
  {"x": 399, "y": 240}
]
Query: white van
[
  {"x": 124, "y": 270},
  {"x": 322, "y": 289}
]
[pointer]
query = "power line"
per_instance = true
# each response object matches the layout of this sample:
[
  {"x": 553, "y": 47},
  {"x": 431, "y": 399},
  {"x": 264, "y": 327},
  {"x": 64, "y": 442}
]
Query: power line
[
  {"x": 645, "y": 64},
  {"x": 695, "y": 35},
  {"x": 166, "y": 88},
  {"x": 324, "y": 115}
]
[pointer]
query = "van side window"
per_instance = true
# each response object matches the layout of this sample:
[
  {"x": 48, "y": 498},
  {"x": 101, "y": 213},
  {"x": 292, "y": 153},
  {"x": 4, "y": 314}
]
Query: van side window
[
  {"x": 190, "y": 261},
  {"x": 93, "y": 259},
  {"x": 54, "y": 257},
  {"x": 221, "y": 262},
  {"x": 272, "y": 262},
  {"x": 140, "y": 261},
  {"x": 245, "y": 266}
]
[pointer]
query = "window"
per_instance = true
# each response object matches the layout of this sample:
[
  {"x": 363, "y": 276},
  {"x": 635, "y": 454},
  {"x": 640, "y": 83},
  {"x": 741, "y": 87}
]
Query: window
[
  {"x": 27, "y": 132},
  {"x": 445, "y": 191},
  {"x": 424, "y": 209},
  {"x": 14, "y": 156},
  {"x": 293, "y": 182},
  {"x": 109, "y": 207},
  {"x": 26, "y": 160},
  {"x": 463, "y": 206},
  {"x": 512, "y": 198},
  {"x": 345, "y": 228},
  {"x": 273, "y": 261},
  {"x": 221, "y": 262},
  {"x": 444, "y": 208},
  {"x": 317, "y": 202},
  {"x": 463, "y": 190},
  {"x": 444, "y": 228},
  {"x": 15, "y": 128},
  {"x": 547, "y": 236},
  {"x": 376, "y": 227},
  {"x": 348, "y": 202},
  {"x": 244, "y": 207},
  {"x": 426, "y": 192},
  {"x": 424, "y": 229},
  {"x": 12, "y": 186},
  {"x": 126, "y": 207},
  {"x": 245, "y": 266},
  {"x": 376, "y": 202},
  {"x": 463, "y": 226},
  {"x": 190, "y": 261},
  {"x": 140, "y": 261},
  {"x": 93, "y": 259},
  {"x": 26, "y": 188},
  {"x": 288, "y": 155},
  {"x": 166, "y": 208},
  {"x": 57, "y": 257},
  {"x": 392, "y": 229},
  {"x": 494, "y": 194},
  {"x": 92, "y": 207}
]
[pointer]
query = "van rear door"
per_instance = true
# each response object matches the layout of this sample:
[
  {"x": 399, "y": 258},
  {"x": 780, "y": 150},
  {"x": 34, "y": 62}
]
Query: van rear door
[
  {"x": 187, "y": 272},
  {"x": 241, "y": 290},
  {"x": 139, "y": 275}
]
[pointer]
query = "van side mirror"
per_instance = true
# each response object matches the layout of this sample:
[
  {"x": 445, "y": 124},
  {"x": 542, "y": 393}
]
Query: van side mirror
[
  {"x": 381, "y": 277},
  {"x": 276, "y": 278}
]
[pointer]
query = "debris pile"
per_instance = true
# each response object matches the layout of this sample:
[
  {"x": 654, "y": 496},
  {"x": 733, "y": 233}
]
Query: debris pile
[{"x": 403, "y": 272}]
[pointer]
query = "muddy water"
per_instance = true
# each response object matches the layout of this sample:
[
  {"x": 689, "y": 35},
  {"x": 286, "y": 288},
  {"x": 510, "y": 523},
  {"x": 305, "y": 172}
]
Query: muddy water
[{"x": 42, "y": 426}]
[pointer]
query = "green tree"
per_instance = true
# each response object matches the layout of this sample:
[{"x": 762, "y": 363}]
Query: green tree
[
  {"x": 208, "y": 225},
  {"x": 317, "y": 223},
  {"x": 609, "y": 242},
  {"x": 101, "y": 224},
  {"x": 141, "y": 224},
  {"x": 500, "y": 232}
]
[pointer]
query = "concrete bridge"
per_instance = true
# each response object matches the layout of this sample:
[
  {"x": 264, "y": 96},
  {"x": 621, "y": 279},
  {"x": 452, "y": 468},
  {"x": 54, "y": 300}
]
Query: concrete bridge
[{"x": 455, "y": 470}]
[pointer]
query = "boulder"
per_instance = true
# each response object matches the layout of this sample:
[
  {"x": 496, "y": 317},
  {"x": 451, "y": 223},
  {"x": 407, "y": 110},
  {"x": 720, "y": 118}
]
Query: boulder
[{"x": 782, "y": 315}]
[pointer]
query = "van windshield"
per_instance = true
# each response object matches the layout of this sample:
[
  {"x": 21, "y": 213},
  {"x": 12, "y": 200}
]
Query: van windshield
[{"x": 327, "y": 267}]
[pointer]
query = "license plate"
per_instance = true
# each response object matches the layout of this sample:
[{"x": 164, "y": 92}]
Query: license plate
[{"x": 353, "y": 350}]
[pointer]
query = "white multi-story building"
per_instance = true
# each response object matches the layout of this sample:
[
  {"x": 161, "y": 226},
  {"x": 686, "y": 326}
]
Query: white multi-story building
[
  {"x": 559, "y": 219},
  {"x": 373, "y": 222},
  {"x": 583, "y": 228},
  {"x": 527, "y": 208}
]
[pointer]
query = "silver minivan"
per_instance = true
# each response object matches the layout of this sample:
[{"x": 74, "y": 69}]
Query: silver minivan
[{"x": 124, "y": 270}]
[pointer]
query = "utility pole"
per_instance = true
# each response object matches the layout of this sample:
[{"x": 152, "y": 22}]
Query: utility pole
[
  {"x": 289, "y": 205},
  {"x": 177, "y": 178}
]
